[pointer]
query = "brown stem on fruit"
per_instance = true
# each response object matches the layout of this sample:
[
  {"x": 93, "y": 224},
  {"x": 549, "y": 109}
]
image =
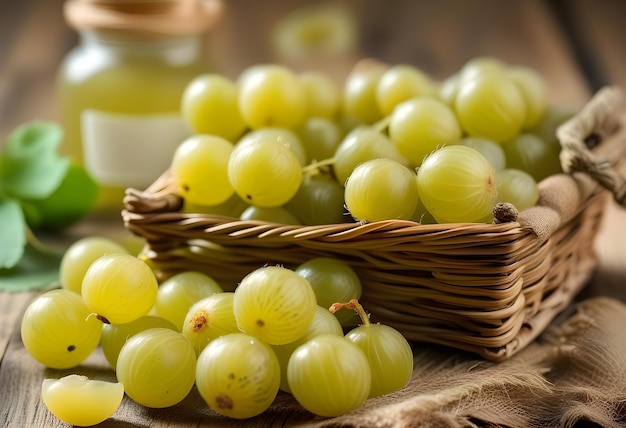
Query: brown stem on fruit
[
  {"x": 355, "y": 306},
  {"x": 504, "y": 212},
  {"x": 101, "y": 318}
]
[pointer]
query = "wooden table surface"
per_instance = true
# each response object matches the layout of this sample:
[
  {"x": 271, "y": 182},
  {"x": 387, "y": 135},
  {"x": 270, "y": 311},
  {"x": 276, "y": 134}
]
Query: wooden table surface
[{"x": 577, "y": 45}]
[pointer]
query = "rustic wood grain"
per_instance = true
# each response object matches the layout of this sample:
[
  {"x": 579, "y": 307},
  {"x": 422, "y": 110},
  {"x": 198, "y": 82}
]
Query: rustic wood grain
[
  {"x": 435, "y": 36},
  {"x": 11, "y": 308},
  {"x": 38, "y": 40}
]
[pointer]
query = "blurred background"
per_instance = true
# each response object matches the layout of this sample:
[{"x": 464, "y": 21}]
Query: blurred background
[{"x": 576, "y": 45}]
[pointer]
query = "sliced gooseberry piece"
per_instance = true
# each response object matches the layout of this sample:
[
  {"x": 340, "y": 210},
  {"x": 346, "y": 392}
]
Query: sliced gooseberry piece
[{"x": 78, "y": 400}]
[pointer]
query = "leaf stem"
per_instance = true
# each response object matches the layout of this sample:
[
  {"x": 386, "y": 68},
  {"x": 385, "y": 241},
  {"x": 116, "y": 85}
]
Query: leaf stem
[{"x": 36, "y": 243}]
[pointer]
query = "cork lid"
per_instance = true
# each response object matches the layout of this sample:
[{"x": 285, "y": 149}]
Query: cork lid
[{"x": 153, "y": 17}]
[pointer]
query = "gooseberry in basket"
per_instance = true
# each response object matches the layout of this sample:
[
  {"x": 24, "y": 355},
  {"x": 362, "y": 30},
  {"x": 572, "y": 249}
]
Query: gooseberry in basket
[
  {"x": 322, "y": 95},
  {"x": 264, "y": 172},
  {"x": 320, "y": 137},
  {"x": 283, "y": 135},
  {"x": 457, "y": 184},
  {"x": 517, "y": 187},
  {"x": 359, "y": 91},
  {"x": 490, "y": 105},
  {"x": 490, "y": 149},
  {"x": 271, "y": 95},
  {"x": 360, "y": 145},
  {"x": 278, "y": 214},
  {"x": 532, "y": 154},
  {"x": 381, "y": 189},
  {"x": 200, "y": 169},
  {"x": 422, "y": 124},
  {"x": 533, "y": 90},
  {"x": 319, "y": 200},
  {"x": 209, "y": 105},
  {"x": 400, "y": 83}
]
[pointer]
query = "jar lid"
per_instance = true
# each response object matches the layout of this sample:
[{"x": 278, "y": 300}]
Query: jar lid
[{"x": 156, "y": 17}]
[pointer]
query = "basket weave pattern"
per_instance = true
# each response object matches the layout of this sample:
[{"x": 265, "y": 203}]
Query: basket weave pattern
[{"x": 486, "y": 288}]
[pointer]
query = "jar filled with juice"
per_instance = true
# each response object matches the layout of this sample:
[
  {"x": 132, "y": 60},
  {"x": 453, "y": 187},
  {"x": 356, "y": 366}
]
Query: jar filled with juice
[{"x": 120, "y": 88}]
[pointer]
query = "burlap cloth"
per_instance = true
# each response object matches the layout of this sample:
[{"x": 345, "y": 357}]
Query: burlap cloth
[{"x": 574, "y": 375}]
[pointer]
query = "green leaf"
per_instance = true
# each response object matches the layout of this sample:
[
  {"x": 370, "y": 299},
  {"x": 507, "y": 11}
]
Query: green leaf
[
  {"x": 12, "y": 233},
  {"x": 30, "y": 167},
  {"x": 73, "y": 199},
  {"x": 33, "y": 139},
  {"x": 38, "y": 269}
]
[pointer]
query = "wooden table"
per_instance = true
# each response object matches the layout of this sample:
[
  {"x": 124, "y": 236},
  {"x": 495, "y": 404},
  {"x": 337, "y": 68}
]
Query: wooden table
[{"x": 577, "y": 45}]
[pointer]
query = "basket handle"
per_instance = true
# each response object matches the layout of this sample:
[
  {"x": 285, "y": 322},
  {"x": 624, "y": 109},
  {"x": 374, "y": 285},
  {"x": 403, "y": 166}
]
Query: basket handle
[
  {"x": 589, "y": 149},
  {"x": 582, "y": 136}
]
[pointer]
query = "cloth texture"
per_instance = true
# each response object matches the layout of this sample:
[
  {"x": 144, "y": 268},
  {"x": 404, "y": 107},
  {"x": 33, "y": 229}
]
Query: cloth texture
[{"x": 574, "y": 375}]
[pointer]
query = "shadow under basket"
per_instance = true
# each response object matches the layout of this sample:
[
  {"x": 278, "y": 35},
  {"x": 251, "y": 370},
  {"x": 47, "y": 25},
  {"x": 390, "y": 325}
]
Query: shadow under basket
[{"x": 485, "y": 288}]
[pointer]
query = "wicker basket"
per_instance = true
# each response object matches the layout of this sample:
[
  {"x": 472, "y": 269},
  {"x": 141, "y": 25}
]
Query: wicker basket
[{"x": 486, "y": 288}]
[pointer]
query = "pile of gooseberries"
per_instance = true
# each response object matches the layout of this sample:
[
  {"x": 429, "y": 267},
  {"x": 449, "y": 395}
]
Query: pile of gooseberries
[
  {"x": 391, "y": 143},
  {"x": 276, "y": 331}
]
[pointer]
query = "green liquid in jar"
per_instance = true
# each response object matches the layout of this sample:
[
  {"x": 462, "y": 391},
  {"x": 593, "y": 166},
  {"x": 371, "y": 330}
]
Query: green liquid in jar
[{"x": 126, "y": 97}]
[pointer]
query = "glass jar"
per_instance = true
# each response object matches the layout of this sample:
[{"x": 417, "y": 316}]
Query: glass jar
[{"x": 120, "y": 88}]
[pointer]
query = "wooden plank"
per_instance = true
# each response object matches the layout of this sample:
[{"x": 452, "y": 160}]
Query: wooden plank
[
  {"x": 11, "y": 19},
  {"x": 27, "y": 81},
  {"x": 20, "y": 385},
  {"x": 11, "y": 307}
]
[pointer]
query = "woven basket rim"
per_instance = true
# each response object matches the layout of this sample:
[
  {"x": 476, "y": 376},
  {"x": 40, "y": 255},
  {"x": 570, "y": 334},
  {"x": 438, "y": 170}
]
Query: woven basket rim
[{"x": 488, "y": 288}]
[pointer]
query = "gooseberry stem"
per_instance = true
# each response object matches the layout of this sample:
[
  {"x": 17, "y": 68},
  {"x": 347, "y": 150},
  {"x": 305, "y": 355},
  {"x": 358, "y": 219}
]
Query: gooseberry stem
[
  {"x": 382, "y": 124},
  {"x": 355, "y": 306},
  {"x": 99, "y": 317},
  {"x": 317, "y": 165}
]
